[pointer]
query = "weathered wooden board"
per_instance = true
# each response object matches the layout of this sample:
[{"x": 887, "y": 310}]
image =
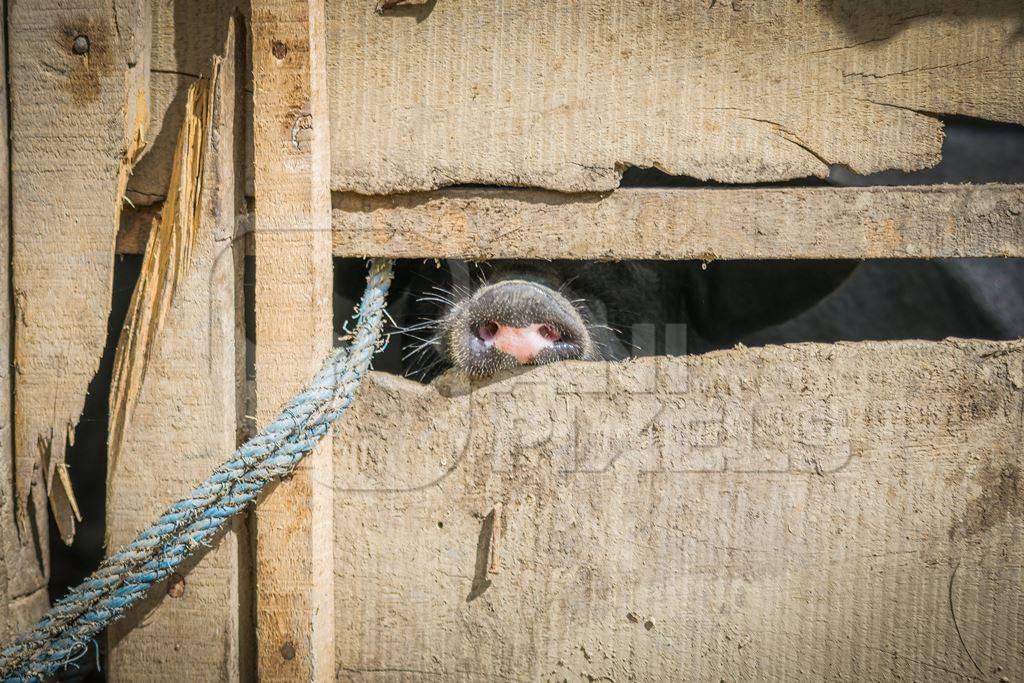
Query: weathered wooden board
[
  {"x": 811, "y": 512},
  {"x": 23, "y": 569},
  {"x": 78, "y": 75},
  {"x": 292, "y": 221},
  {"x": 869, "y": 222},
  {"x": 562, "y": 95},
  {"x": 184, "y": 421},
  {"x": 937, "y": 221}
]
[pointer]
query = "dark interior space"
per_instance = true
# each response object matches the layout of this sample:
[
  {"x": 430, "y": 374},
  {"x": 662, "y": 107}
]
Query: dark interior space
[{"x": 876, "y": 300}]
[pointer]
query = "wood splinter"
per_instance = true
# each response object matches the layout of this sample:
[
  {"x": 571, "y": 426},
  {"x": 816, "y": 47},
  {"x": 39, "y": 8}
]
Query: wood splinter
[{"x": 493, "y": 560}]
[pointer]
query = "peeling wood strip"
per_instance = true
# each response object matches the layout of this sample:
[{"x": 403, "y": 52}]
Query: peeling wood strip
[
  {"x": 294, "y": 549},
  {"x": 875, "y": 222},
  {"x": 165, "y": 264},
  {"x": 78, "y": 124}
]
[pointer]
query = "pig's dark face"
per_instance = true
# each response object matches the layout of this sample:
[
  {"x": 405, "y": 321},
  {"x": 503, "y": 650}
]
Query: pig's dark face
[
  {"x": 514, "y": 322},
  {"x": 518, "y": 314}
]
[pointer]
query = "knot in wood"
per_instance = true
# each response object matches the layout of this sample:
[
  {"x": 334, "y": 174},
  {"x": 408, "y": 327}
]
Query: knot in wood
[{"x": 80, "y": 45}]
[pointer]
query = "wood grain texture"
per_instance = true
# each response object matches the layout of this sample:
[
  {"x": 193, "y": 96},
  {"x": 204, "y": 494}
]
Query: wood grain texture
[
  {"x": 185, "y": 420},
  {"x": 78, "y": 122},
  {"x": 23, "y": 572},
  {"x": 562, "y": 95},
  {"x": 294, "y": 550},
  {"x": 878, "y": 222},
  {"x": 808, "y": 512}
]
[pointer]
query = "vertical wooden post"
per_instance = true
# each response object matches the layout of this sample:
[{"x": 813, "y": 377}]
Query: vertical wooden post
[
  {"x": 22, "y": 573},
  {"x": 294, "y": 524}
]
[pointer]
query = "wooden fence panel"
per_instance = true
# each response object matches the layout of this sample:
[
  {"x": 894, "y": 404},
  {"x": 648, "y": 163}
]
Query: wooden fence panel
[
  {"x": 23, "y": 565},
  {"x": 809, "y": 512},
  {"x": 78, "y": 94}
]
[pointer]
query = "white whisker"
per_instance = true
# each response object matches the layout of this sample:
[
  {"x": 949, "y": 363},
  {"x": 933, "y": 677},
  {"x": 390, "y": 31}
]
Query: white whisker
[{"x": 436, "y": 299}]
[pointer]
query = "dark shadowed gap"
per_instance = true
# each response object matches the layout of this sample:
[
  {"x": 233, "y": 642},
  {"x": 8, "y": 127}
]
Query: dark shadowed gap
[
  {"x": 87, "y": 464},
  {"x": 640, "y": 176},
  {"x": 249, "y": 322},
  {"x": 349, "y": 282},
  {"x": 931, "y": 299},
  {"x": 750, "y": 302}
]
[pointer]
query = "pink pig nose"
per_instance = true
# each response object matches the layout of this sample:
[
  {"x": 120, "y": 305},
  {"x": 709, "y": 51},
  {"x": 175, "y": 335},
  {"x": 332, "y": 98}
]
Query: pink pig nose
[{"x": 522, "y": 343}]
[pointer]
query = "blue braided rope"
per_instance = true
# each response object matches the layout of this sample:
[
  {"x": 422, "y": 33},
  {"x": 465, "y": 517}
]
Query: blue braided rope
[{"x": 64, "y": 633}]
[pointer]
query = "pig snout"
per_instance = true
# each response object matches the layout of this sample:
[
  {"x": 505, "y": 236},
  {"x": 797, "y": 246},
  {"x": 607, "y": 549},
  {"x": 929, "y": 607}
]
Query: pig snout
[{"x": 512, "y": 323}]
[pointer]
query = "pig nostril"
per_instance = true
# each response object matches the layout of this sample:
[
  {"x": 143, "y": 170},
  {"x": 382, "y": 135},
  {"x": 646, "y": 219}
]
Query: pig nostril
[
  {"x": 487, "y": 331},
  {"x": 549, "y": 333}
]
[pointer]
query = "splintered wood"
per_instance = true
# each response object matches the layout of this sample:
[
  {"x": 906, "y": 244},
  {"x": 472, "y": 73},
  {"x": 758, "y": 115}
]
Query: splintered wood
[
  {"x": 181, "y": 360},
  {"x": 563, "y": 95},
  {"x": 78, "y": 116},
  {"x": 187, "y": 34},
  {"x": 167, "y": 260},
  {"x": 877, "y": 222},
  {"x": 294, "y": 549},
  {"x": 812, "y": 512}
]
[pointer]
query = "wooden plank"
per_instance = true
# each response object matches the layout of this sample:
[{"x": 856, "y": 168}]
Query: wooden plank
[
  {"x": 184, "y": 418},
  {"x": 876, "y": 222},
  {"x": 809, "y": 512},
  {"x": 23, "y": 569},
  {"x": 294, "y": 579},
  {"x": 78, "y": 97},
  {"x": 865, "y": 222},
  {"x": 563, "y": 95}
]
